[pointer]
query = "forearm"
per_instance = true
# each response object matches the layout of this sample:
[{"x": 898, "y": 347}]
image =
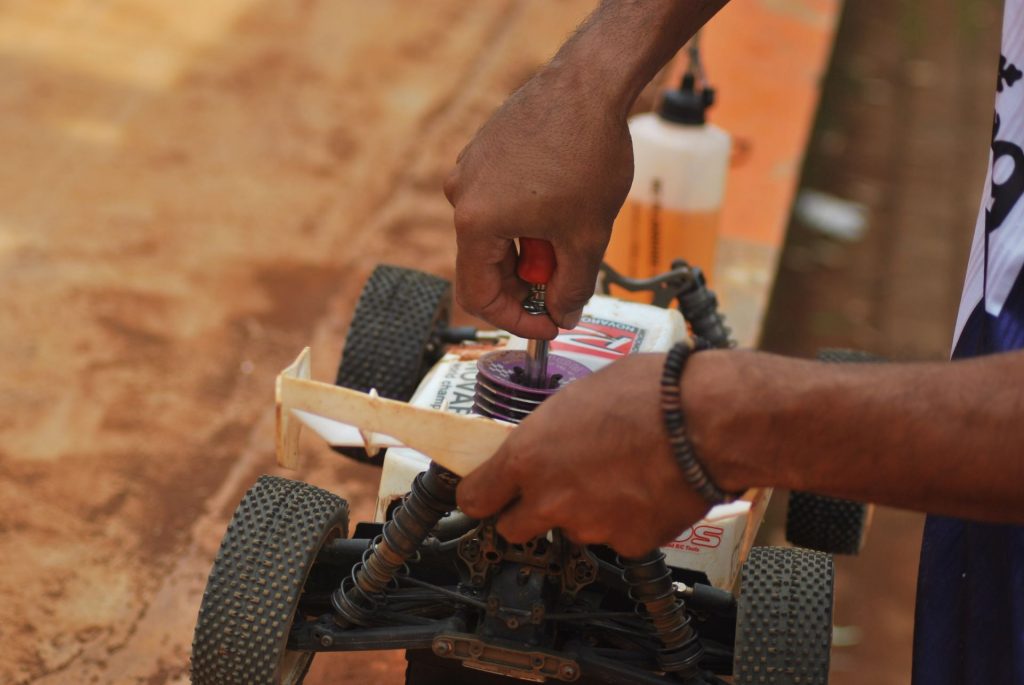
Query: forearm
[
  {"x": 947, "y": 438},
  {"x": 623, "y": 44}
]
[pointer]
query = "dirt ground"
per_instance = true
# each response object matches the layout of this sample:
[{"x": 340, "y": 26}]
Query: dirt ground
[{"x": 178, "y": 221}]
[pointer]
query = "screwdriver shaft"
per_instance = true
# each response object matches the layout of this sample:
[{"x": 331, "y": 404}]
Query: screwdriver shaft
[{"x": 537, "y": 362}]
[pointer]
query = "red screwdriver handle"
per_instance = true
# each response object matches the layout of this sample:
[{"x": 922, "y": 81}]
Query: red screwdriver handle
[{"x": 536, "y": 260}]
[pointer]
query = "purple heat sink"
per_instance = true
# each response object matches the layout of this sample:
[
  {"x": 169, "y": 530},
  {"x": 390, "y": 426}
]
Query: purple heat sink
[{"x": 501, "y": 386}]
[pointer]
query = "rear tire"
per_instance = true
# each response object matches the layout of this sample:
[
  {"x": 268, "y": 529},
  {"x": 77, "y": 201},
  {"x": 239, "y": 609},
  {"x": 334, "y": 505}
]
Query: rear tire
[
  {"x": 394, "y": 337},
  {"x": 826, "y": 524},
  {"x": 253, "y": 590},
  {"x": 823, "y": 523},
  {"x": 784, "y": 618}
]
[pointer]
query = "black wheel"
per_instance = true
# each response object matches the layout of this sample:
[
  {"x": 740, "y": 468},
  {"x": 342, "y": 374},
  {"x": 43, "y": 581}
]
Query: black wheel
[
  {"x": 394, "y": 337},
  {"x": 784, "y": 618},
  {"x": 829, "y": 524},
  {"x": 826, "y": 524},
  {"x": 257, "y": 578}
]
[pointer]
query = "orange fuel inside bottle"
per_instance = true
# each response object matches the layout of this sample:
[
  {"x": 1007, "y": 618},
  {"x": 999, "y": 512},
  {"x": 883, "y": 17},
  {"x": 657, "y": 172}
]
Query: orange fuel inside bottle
[
  {"x": 647, "y": 237},
  {"x": 673, "y": 208}
]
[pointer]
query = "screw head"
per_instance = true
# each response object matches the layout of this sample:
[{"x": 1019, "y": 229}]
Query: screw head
[
  {"x": 326, "y": 640},
  {"x": 535, "y": 303},
  {"x": 568, "y": 672},
  {"x": 443, "y": 647}
]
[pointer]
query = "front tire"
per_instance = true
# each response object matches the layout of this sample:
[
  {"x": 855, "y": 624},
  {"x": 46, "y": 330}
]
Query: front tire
[
  {"x": 258, "y": 576},
  {"x": 394, "y": 337}
]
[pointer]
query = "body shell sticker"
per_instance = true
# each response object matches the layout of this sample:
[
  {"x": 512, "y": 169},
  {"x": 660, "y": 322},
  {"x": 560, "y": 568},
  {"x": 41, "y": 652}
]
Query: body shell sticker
[
  {"x": 602, "y": 338},
  {"x": 697, "y": 538},
  {"x": 457, "y": 386}
]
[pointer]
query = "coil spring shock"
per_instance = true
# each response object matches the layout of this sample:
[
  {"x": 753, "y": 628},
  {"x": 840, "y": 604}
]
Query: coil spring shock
[
  {"x": 650, "y": 585},
  {"x": 699, "y": 306},
  {"x": 431, "y": 497}
]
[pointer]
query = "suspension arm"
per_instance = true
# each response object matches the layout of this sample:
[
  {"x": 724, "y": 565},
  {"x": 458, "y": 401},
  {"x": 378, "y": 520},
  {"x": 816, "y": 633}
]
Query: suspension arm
[{"x": 327, "y": 636}]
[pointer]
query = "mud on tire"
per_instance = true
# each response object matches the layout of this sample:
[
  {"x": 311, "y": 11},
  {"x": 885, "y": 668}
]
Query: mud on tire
[
  {"x": 257, "y": 578},
  {"x": 784, "y": 618},
  {"x": 394, "y": 337}
]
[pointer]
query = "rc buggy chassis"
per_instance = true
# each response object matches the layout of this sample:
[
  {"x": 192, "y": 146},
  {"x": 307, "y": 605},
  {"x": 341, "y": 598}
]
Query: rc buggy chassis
[{"x": 292, "y": 578}]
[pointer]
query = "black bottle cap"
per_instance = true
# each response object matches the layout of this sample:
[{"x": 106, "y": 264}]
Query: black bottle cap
[{"x": 687, "y": 105}]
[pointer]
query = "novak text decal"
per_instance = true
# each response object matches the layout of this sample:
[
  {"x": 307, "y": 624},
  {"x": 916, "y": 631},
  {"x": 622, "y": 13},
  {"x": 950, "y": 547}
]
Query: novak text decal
[{"x": 599, "y": 338}]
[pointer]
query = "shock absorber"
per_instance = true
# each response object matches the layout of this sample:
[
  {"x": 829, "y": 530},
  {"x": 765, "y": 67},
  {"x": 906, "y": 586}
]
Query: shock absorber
[
  {"x": 650, "y": 585},
  {"x": 699, "y": 306},
  {"x": 431, "y": 497}
]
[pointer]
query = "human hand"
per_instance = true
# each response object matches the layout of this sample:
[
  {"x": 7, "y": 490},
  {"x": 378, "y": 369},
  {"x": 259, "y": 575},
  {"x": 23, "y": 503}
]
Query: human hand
[
  {"x": 593, "y": 460},
  {"x": 552, "y": 163}
]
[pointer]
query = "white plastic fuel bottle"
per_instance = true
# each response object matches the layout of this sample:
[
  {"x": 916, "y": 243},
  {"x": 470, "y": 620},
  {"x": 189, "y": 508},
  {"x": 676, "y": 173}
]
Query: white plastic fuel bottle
[{"x": 672, "y": 210}]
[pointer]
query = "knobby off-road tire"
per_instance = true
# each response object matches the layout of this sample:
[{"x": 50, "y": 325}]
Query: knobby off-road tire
[
  {"x": 257, "y": 578},
  {"x": 784, "y": 618},
  {"x": 830, "y": 524},
  {"x": 394, "y": 337},
  {"x": 826, "y": 524}
]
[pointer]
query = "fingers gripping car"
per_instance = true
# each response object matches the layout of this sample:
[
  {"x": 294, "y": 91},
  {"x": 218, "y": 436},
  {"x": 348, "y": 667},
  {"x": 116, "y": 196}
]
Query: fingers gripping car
[{"x": 428, "y": 402}]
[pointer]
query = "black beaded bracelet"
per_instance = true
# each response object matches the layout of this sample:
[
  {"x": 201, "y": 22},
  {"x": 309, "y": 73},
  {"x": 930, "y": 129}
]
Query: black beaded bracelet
[{"x": 672, "y": 410}]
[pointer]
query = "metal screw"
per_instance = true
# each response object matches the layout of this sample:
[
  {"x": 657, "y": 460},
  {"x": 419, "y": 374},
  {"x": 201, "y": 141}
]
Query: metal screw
[
  {"x": 567, "y": 672},
  {"x": 326, "y": 640},
  {"x": 443, "y": 647},
  {"x": 535, "y": 304}
]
